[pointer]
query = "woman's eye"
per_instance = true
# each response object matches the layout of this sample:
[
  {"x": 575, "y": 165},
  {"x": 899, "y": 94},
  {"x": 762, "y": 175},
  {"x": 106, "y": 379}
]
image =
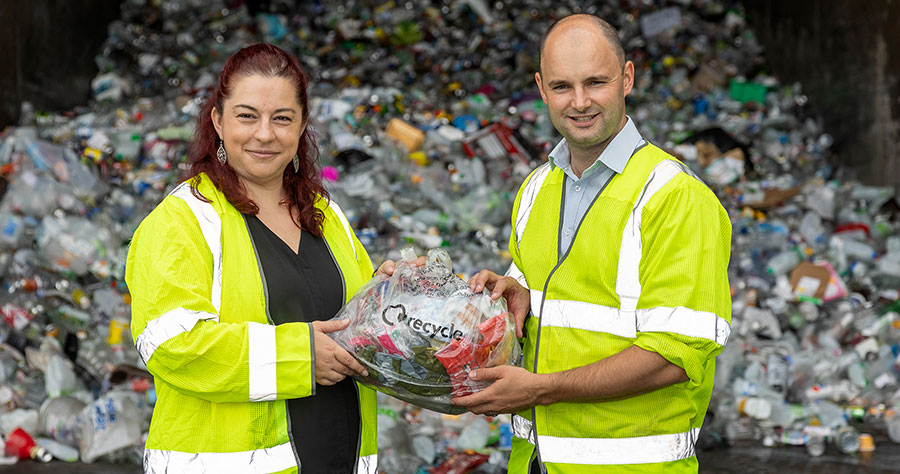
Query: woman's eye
[{"x": 245, "y": 116}]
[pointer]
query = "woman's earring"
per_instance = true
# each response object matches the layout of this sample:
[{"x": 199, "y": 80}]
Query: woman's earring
[
  {"x": 296, "y": 162},
  {"x": 220, "y": 153}
]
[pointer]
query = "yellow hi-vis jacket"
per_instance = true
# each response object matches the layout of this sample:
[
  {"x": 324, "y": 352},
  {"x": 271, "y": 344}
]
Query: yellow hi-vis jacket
[
  {"x": 223, "y": 371},
  {"x": 647, "y": 267}
]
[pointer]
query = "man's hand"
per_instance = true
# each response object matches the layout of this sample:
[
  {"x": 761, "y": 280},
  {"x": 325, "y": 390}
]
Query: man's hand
[
  {"x": 513, "y": 389},
  {"x": 518, "y": 300},
  {"x": 333, "y": 363},
  {"x": 387, "y": 268}
]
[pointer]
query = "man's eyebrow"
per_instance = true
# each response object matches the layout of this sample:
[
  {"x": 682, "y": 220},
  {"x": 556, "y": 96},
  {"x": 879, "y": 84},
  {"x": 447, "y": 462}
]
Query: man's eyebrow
[
  {"x": 601, "y": 78},
  {"x": 557, "y": 82}
]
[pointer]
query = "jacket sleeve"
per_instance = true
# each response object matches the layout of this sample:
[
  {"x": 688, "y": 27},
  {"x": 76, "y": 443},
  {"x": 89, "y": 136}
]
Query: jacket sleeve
[
  {"x": 176, "y": 328},
  {"x": 684, "y": 309}
]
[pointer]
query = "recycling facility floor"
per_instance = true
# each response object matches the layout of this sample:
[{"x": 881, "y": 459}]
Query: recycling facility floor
[{"x": 744, "y": 458}]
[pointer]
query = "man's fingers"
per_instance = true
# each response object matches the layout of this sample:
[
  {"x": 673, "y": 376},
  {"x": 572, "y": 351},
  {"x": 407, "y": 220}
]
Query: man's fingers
[
  {"x": 520, "y": 323},
  {"x": 387, "y": 268},
  {"x": 499, "y": 288},
  {"x": 481, "y": 279}
]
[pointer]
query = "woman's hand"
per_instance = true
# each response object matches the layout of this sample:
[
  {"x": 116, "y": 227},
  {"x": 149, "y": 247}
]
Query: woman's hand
[
  {"x": 387, "y": 268},
  {"x": 333, "y": 363}
]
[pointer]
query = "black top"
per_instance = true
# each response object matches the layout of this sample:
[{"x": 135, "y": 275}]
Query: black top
[{"x": 305, "y": 287}]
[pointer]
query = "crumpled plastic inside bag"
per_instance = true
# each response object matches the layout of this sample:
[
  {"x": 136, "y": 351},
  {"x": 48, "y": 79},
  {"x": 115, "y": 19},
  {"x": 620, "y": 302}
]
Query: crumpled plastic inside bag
[{"x": 420, "y": 332}]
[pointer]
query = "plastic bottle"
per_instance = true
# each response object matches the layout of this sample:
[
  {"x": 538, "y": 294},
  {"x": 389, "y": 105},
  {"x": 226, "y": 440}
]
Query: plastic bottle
[
  {"x": 783, "y": 262},
  {"x": 760, "y": 321},
  {"x": 815, "y": 445},
  {"x": 812, "y": 230},
  {"x": 110, "y": 423},
  {"x": 474, "y": 435},
  {"x": 21, "y": 444},
  {"x": 777, "y": 372},
  {"x": 755, "y": 407},
  {"x": 854, "y": 249},
  {"x": 893, "y": 427},
  {"x": 58, "y": 416},
  {"x": 846, "y": 438}
]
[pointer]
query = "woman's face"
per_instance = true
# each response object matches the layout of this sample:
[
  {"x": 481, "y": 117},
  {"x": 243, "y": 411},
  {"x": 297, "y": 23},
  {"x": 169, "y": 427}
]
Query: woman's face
[{"x": 260, "y": 124}]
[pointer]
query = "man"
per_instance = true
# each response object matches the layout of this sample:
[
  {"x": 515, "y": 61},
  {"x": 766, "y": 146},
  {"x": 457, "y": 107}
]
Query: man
[{"x": 620, "y": 254}]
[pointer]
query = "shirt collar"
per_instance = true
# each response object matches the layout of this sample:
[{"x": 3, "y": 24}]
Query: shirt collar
[{"x": 615, "y": 156}]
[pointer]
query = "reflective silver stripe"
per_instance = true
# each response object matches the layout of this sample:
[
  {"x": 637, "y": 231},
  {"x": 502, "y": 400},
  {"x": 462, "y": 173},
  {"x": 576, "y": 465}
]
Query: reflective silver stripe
[
  {"x": 599, "y": 318},
  {"x": 514, "y": 272},
  {"x": 337, "y": 210},
  {"x": 684, "y": 321},
  {"x": 268, "y": 460},
  {"x": 638, "y": 450},
  {"x": 628, "y": 285},
  {"x": 159, "y": 330},
  {"x": 367, "y": 464},
  {"x": 523, "y": 428},
  {"x": 536, "y": 297},
  {"x": 211, "y": 226},
  {"x": 588, "y": 316},
  {"x": 529, "y": 194},
  {"x": 262, "y": 361}
]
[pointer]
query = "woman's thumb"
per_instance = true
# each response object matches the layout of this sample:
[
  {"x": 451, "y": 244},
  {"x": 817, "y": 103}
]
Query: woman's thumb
[{"x": 331, "y": 325}]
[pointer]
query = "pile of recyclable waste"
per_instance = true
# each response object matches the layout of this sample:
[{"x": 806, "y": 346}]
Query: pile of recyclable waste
[{"x": 428, "y": 120}]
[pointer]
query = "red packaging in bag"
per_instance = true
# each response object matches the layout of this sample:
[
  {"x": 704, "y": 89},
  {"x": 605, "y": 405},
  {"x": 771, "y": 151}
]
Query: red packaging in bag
[
  {"x": 492, "y": 332},
  {"x": 457, "y": 358}
]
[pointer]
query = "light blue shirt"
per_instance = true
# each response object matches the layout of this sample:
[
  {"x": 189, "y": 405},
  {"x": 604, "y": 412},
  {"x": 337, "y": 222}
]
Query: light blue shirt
[{"x": 580, "y": 193}]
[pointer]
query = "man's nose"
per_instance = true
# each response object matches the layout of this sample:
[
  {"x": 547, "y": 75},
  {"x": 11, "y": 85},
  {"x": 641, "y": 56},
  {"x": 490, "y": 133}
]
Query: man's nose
[{"x": 581, "y": 101}]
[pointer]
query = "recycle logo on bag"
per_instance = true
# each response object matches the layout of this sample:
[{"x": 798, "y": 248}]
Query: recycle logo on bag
[{"x": 397, "y": 314}]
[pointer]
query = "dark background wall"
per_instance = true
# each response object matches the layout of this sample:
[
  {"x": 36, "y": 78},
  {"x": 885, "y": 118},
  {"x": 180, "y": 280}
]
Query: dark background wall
[
  {"x": 47, "y": 50},
  {"x": 846, "y": 53}
]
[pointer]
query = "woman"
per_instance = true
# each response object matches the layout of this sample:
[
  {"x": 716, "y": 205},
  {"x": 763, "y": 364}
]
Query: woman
[{"x": 232, "y": 277}]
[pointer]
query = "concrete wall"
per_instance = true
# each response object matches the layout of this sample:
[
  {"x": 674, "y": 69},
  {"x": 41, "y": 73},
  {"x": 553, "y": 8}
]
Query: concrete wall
[
  {"x": 47, "y": 50},
  {"x": 846, "y": 53}
]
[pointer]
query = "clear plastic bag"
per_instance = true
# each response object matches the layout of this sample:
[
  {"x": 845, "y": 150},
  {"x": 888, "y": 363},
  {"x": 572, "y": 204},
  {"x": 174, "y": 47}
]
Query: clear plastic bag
[{"x": 419, "y": 332}]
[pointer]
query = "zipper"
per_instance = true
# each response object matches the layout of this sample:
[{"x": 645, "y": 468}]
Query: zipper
[
  {"x": 265, "y": 285},
  {"x": 340, "y": 271},
  {"x": 537, "y": 344},
  {"x": 355, "y": 386}
]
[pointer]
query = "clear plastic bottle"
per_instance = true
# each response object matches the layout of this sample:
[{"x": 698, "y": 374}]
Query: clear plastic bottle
[
  {"x": 893, "y": 427},
  {"x": 815, "y": 445},
  {"x": 846, "y": 438},
  {"x": 783, "y": 262}
]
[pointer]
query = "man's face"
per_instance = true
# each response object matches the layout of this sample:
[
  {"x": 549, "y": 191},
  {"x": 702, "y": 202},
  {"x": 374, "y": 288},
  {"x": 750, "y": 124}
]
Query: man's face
[{"x": 584, "y": 86}]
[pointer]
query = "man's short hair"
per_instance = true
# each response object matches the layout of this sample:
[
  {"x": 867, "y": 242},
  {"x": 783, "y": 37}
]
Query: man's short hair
[{"x": 610, "y": 33}]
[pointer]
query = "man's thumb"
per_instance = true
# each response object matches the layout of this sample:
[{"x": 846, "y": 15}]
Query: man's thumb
[{"x": 482, "y": 374}]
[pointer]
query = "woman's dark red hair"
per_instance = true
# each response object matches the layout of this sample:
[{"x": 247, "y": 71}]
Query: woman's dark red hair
[{"x": 302, "y": 187}]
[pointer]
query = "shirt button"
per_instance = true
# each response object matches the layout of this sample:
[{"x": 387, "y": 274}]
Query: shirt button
[
  {"x": 568, "y": 232},
  {"x": 577, "y": 188}
]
